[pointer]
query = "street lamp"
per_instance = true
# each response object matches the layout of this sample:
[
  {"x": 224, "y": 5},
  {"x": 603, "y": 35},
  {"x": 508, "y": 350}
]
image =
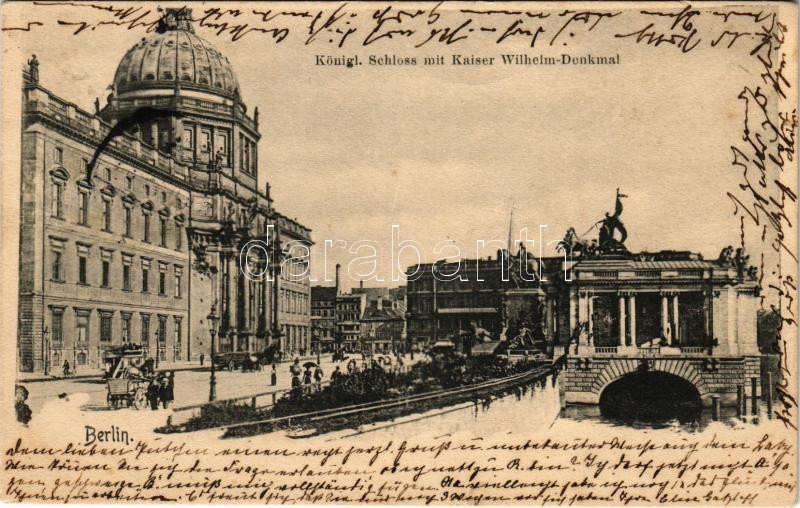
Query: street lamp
[
  {"x": 158, "y": 345},
  {"x": 212, "y": 329},
  {"x": 46, "y": 347}
]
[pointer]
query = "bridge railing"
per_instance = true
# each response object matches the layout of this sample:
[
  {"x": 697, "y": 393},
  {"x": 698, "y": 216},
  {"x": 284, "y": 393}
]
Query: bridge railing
[
  {"x": 695, "y": 350},
  {"x": 650, "y": 351},
  {"x": 605, "y": 350}
]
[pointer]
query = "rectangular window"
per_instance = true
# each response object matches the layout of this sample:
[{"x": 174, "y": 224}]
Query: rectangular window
[
  {"x": 178, "y": 237},
  {"x": 58, "y": 155},
  {"x": 105, "y": 327},
  {"x": 205, "y": 141},
  {"x": 126, "y": 272},
  {"x": 106, "y": 274},
  {"x": 128, "y": 227},
  {"x": 83, "y": 208},
  {"x": 145, "y": 336},
  {"x": 178, "y": 277},
  {"x": 129, "y": 182},
  {"x": 57, "y": 268},
  {"x": 108, "y": 175},
  {"x": 188, "y": 139},
  {"x": 246, "y": 162},
  {"x": 162, "y": 330},
  {"x": 107, "y": 215},
  {"x": 241, "y": 151},
  {"x": 82, "y": 327},
  {"x": 146, "y": 235},
  {"x": 163, "y": 223},
  {"x": 145, "y": 280},
  {"x": 57, "y": 200},
  {"x": 82, "y": 270},
  {"x": 57, "y": 328},
  {"x": 221, "y": 144},
  {"x": 177, "y": 335},
  {"x": 126, "y": 328},
  {"x": 162, "y": 283}
]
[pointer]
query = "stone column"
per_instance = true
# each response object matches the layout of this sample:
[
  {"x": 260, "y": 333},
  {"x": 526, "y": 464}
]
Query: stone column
[
  {"x": 264, "y": 323},
  {"x": 548, "y": 317},
  {"x": 583, "y": 307},
  {"x": 233, "y": 306},
  {"x": 573, "y": 312},
  {"x": 707, "y": 311},
  {"x": 632, "y": 311},
  {"x": 154, "y": 134},
  {"x": 665, "y": 319},
  {"x": 245, "y": 304},
  {"x": 621, "y": 321},
  {"x": 676, "y": 336},
  {"x": 590, "y": 318},
  {"x": 226, "y": 290},
  {"x": 177, "y": 136}
]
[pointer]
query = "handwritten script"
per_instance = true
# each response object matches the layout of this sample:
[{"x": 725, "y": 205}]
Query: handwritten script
[
  {"x": 343, "y": 25},
  {"x": 564, "y": 472}
]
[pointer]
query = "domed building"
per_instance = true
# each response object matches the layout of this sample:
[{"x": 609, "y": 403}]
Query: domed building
[
  {"x": 134, "y": 217},
  {"x": 204, "y": 122}
]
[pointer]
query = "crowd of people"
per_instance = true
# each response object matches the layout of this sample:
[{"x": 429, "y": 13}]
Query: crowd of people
[{"x": 161, "y": 390}]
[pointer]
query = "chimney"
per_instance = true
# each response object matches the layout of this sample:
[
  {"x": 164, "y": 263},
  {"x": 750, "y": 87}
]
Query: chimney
[
  {"x": 338, "y": 268},
  {"x": 361, "y": 284}
]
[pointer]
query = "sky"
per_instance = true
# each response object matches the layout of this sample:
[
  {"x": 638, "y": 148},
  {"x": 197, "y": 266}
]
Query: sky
[{"x": 445, "y": 153}]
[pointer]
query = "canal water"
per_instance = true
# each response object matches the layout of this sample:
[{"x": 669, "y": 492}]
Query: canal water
[{"x": 531, "y": 407}]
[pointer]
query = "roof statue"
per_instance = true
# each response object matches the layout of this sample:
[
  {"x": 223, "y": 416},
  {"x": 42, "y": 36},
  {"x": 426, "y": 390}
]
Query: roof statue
[
  {"x": 611, "y": 224},
  {"x": 33, "y": 69}
]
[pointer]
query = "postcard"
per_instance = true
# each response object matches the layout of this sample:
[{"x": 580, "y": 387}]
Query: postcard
[{"x": 399, "y": 253}]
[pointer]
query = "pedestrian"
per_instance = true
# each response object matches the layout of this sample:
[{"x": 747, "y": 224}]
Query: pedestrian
[
  {"x": 24, "y": 413},
  {"x": 273, "y": 377},
  {"x": 152, "y": 393},
  {"x": 202, "y": 358},
  {"x": 294, "y": 371},
  {"x": 170, "y": 388},
  {"x": 336, "y": 375},
  {"x": 163, "y": 391},
  {"x": 318, "y": 377},
  {"x": 66, "y": 368},
  {"x": 307, "y": 379}
]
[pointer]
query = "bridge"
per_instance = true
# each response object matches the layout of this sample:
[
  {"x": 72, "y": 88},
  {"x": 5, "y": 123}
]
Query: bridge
[{"x": 650, "y": 327}]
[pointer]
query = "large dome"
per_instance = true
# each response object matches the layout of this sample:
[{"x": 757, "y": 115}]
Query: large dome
[{"x": 172, "y": 56}]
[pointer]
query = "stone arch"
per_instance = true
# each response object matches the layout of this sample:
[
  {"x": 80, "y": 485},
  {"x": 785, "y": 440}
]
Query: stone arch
[{"x": 617, "y": 368}]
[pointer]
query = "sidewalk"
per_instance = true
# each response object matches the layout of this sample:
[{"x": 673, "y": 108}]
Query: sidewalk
[{"x": 38, "y": 377}]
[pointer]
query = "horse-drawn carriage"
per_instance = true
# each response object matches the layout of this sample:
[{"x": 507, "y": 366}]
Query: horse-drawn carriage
[
  {"x": 128, "y": 376},
  {"x": 127, "y": 392}
]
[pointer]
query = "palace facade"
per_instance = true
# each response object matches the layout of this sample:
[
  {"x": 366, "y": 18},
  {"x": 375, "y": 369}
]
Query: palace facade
[{"x": 134, "y": 216}]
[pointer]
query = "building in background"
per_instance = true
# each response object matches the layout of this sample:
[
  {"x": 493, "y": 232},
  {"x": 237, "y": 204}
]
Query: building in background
[
  {"x": 349, "y": 311},
  {"x": 473, "y": 296},
  {"x": 137, "y": 242},
  {"x": 383, "y": 327},
  {"x": 323, "y": 318}
]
